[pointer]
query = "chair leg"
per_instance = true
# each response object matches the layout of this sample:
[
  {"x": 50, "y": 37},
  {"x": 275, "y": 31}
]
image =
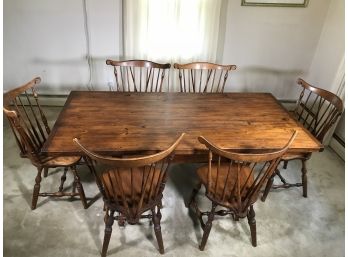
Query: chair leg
[
  {"x": 156, "y": 219},
  {"x": 62, "y": 179},
  {"x": 194, "y": 193},
  {"x": 268, "y": 187},
  {"x": 252, "y": 224},
  {"x": 79, "y": 187},
  {"x": 74, "y": 187},
  {"x": 207, "y": 227},
  {"x": 304, "y": 178},
  {"x": 282, "y": 179},
  {"x": 109, "y": 221},
  {"x": 285, "y": 165},
  {"x": 160, "y": 205},
  {"x": 45, "y": 172},
  {"x": 36, "y": 188}
]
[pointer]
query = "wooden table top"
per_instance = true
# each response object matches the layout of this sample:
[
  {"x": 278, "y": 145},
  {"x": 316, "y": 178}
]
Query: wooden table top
[{"x": 125, "y": 123}]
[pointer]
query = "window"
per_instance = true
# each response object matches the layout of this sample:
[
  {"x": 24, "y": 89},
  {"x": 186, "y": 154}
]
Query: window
[{"x": 171, "y": 30}]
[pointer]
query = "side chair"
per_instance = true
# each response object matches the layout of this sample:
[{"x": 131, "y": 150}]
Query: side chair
[
  {"x": 139, "y": 75},
  {"x": 203, "y": 77},
  {"x": 31, "y": 130},
  {"x": 317, "y": 110},
  {"x": 233, "y": 180},
  {"x": 131, "y": 187}
]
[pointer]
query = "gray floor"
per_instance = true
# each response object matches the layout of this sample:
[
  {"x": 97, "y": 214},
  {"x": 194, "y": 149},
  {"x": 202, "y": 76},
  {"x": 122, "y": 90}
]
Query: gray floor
[{"x": 287, "y": 223}]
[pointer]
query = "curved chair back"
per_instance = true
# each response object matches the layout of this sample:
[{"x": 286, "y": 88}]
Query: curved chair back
[
  {"x": 203, "y": 77},
  {"x": 234, "y": 179},
  {"x": 317, "y": 109},
  {"x": 139, "y": 75},
  {"x": 27, "y": 120},
  {"x": 133, "y": 185}
]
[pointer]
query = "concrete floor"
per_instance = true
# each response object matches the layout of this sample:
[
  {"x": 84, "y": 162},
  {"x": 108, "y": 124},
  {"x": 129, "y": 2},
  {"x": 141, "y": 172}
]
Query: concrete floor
[{"x": 287, "y": 223}]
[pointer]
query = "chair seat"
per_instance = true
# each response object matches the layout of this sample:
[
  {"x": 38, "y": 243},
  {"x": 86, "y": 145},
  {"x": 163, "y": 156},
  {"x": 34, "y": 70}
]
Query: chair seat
[
  {"x": 60, "y": 161},
  {"x": 227, "y": 175},
  {"x": 131, "y": 189}
]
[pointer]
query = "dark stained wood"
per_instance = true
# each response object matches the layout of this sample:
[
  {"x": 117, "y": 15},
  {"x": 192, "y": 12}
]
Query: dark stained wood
[
  {"x": 139, "y": 75},
  {"x": 116, "y": 124},
  {"x": 203, "y": 77},
  {"x": 233, "y": 181},
  {"x": 30, "y": 128},
  {"x": 317, "y": 110},
  {"x": 132, "y": 186}
]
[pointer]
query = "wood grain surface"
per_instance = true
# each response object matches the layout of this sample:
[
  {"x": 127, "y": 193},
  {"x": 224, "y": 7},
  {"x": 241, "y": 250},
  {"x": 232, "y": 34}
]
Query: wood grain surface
[{"x": 118, "y": 123}]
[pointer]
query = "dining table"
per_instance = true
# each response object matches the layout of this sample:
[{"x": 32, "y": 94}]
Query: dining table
[{"x": 126, "y": 123}]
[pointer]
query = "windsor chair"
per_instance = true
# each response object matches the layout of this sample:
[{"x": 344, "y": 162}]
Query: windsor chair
[
  {"x": 131, "y": 187},
  {"x": 203, "y": 77},
  {"x": 30, "y": 128},
  {"x": 233, "y": 180},
  {"x": 317, "y": 110},
  {"x": 139, "y": 75}
]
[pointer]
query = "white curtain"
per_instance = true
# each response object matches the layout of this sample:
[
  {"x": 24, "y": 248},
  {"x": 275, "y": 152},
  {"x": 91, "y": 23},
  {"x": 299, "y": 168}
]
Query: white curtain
[{"x": 171, "y": 30}]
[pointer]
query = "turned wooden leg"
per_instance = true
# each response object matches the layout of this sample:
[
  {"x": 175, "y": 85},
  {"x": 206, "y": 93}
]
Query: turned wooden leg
[
  {"x": 109, "y": 221},
  {"x": 285, "y": 165},
  {"x": 74, "y": 187},
  {"x": 252, "y": 224},
  {"x": 304, "y": 178},
  {"x": 207, "y": 227},
  {"x": 36, "y": 188},
  {"x": 45, "y": 172},
  {"x": 282, "y": 179},
  {"x": 159, "y": 214},
  {"x": 62, "y": 179},
  {"x": 79, "y": 187},
  {"x": 156, "y": 219},
  {"x": 268, "y": 187},
  {"x": 160, "y": 205},
  {"x": 106, "y": 216},
  {"x": 194, "y": 193}
]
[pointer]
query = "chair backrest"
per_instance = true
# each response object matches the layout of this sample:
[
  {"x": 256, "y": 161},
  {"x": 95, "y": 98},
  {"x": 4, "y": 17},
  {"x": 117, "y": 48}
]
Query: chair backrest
[
  {"x": 317, "y": 109},
  {"x": 133, "y": 185},
  {"x": 203, "y": 77},
  {"x": 239, "y": 177},
  {"x": 27, "y": 120},
  {"x": 139, "y": 75}
]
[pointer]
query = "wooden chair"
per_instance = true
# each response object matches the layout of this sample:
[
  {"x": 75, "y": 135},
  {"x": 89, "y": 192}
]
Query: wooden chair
[
  {"x": 317, "y": 110},
  {"x": 203, "y": 77},
  {"x": 232, "y": 180},
  {"x": 30, "y": 128},
  {"x": 139, "y": 75},
  {"x": 132, "y": 186}
]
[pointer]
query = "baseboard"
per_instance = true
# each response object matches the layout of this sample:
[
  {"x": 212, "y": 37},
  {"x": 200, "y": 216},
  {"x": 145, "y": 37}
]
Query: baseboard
[
  {"x": 53, "y": 100},
  {"x": 288, "y": 104},
  {"x": 337, "y": 146}
]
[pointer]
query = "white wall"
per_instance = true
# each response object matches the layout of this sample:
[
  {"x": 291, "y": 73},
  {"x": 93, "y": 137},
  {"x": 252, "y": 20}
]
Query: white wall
[
  {"x": 327, "y": 67},
  {"x": 47, "y": 38},
  {"x": 330, "y": 49},
  {"x": 272, "y": 46}
]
